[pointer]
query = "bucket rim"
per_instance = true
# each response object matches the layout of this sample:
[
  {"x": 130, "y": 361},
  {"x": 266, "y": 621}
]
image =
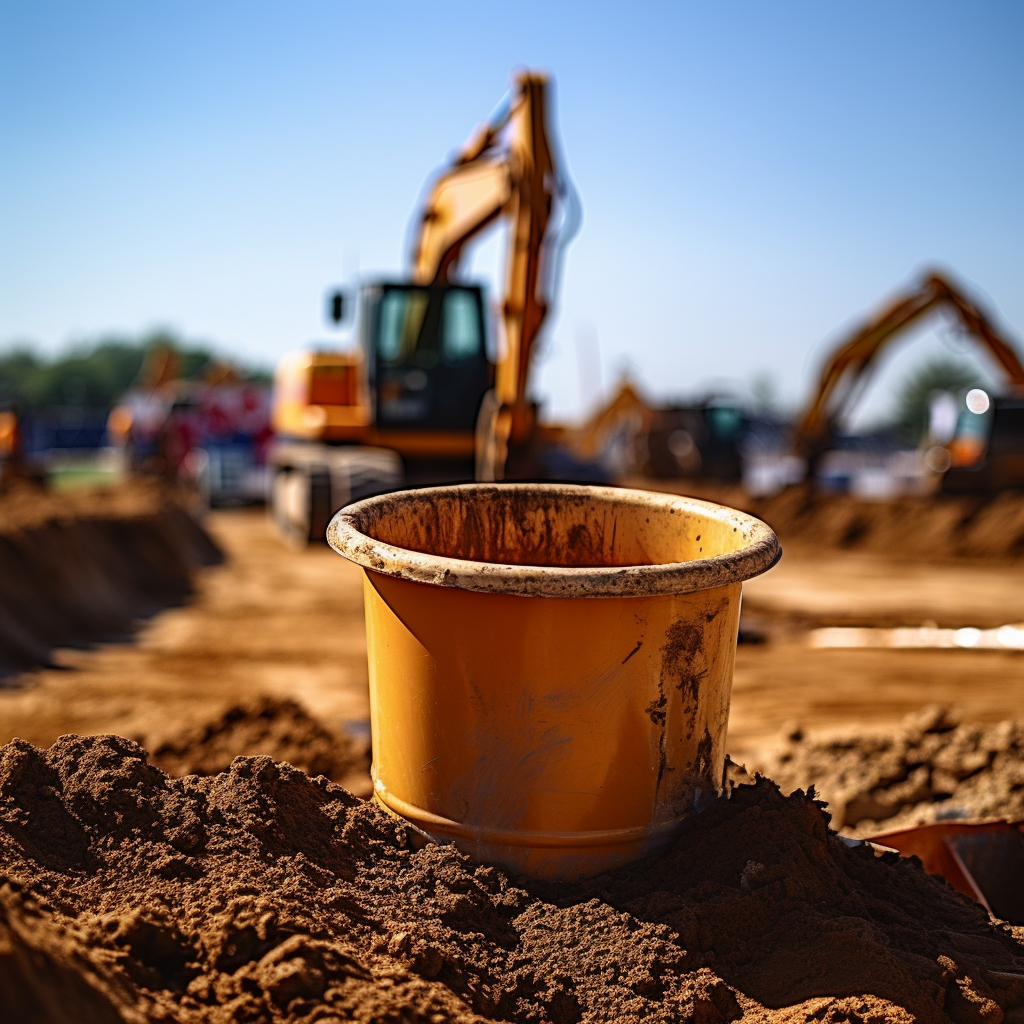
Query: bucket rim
[{"x": 760, "y": 552}]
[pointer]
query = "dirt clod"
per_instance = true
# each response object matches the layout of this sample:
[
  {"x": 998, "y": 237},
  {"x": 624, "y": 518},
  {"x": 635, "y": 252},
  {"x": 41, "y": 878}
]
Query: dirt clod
[
  {"x": 268, "y": 726},
  {"x": 261, "y": 894},
  {"x": 928, "y": 769}
]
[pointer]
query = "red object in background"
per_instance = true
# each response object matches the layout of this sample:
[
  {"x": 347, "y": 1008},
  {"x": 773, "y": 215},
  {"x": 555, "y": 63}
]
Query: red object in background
[{"x": 981, "y": 859}]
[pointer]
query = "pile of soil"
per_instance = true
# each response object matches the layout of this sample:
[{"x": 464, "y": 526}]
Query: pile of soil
[
  {"x": 79, "y": 567},
  {"x": 928, "y": 528},
  {"x": 935, "y": 528},
  {"x": 272, "y": 727},
  {"x": 930, "y": 768},
  {"x": 261, "y": 894}
]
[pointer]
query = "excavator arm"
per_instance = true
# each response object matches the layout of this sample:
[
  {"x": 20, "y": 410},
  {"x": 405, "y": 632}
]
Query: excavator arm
[
  {"x": 505, "y": 172},
  {"x": 852, "y": 361},
  {"x": 465, "y": 201}
]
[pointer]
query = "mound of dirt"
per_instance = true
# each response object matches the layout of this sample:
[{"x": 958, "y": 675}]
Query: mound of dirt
[
  {"x": 937, "y": 528},
  {"x": 268, "y": 726},
  {"x": 261, "y": 894},
  {"x": 85, "y": 566},
  {"x": 930, "y": 768},
  {"x": 933, "y": 528}
]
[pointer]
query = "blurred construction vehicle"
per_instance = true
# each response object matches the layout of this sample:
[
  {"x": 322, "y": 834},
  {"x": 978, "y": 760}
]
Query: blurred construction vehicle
[
  {"x": 12, "y": 449},
  {"x": 985, "y": 453},
  {"x": 706, "y": 439},
  {"x": 423, "y": 399},
  {"x": 212, "y": 432},
  {"x": 616, "y": 434}
]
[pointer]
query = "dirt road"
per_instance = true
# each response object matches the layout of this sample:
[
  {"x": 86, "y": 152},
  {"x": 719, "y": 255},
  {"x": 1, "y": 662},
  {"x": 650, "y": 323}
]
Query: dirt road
[{"x": 289, "y": 624}]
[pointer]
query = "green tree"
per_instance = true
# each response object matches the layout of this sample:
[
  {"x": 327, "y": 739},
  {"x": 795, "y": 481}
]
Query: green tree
[
  {"x": 93, "y": 375},
  {"x": 910, "y": 419},
  {"x": 87, "y": 377},
  {"x": 19, "y": 369}
]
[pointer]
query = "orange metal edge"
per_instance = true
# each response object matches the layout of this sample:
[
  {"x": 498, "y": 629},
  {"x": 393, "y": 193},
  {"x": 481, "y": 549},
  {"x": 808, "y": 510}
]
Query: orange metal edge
[
  {"x": 450, "y": 830},
  {"x": 929, "y": 844},
  {"x": 431, "y": 444}
]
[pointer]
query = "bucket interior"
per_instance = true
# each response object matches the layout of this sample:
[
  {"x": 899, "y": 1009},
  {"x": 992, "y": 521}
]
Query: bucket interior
[{"x": 546, "y": 526}]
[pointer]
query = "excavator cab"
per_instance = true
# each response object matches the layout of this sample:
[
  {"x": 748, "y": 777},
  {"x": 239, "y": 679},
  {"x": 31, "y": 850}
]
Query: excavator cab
[
  {"x": 998, "y": 462},
  {"x": 426, "y": 355}
]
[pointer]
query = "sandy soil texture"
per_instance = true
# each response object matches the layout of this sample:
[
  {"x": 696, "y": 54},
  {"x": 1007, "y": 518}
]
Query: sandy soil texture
[
  {"x": 929, "y": 768},
  {"x": 260, "y": 894},
  {"x": 274, "y": 727},
  {"x": 269, "y": 622},
  {"x": 784, "y": 682},
  {"x": 933, "y": 529}
]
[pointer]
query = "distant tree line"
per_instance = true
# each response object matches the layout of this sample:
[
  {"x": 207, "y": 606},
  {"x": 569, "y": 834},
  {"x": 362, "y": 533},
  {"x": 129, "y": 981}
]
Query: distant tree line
[
  {"x": 94, "y": 375},
  {"x": 909, "y": 420}
]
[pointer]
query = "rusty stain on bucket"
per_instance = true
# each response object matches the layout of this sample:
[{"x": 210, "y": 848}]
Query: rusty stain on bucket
[{"x": 550, "y": 665}]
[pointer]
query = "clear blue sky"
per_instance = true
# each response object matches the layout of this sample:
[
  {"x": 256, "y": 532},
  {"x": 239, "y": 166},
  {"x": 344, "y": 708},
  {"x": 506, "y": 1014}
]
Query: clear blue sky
[{"x": 755, "y": 176}]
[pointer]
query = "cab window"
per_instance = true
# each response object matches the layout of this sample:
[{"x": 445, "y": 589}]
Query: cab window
[
  {"x": 460, "y": 327},
  {"x": 401, "y": 322}
]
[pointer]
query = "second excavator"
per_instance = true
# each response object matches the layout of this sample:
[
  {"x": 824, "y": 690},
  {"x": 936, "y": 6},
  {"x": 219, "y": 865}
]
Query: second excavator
[
  {"x": 424, "y": 398},
  {"x": 994, "y": 464}
]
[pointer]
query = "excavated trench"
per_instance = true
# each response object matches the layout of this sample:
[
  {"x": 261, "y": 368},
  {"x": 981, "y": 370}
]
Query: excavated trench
[
  {"x": 943, "y": 528},
  {"x": 81, "y": 567}
]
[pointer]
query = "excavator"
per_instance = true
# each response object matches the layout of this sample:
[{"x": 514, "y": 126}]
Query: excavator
[
  {"x": 422, "y": 399},
  {"x": 996, "y": 464}
]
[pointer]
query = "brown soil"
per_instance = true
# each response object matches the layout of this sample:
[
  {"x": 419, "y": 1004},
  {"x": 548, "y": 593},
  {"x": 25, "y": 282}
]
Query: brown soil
[
  {"x": 260, "y": 894},
  {"x": 273, "y": 621},
  {"x": 81, "y": 567},
  {"x": 120, "y": 919},
  {"x": 269, "y": 621},
  {"x": 275, "y": 728},
  {"x": 928, "y": 769},
  {"x": 934, "y": 528}
]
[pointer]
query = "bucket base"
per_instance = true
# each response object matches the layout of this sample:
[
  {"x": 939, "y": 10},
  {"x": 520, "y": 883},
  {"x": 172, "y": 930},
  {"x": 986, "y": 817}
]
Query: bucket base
[{"x": 550, "y": 856}]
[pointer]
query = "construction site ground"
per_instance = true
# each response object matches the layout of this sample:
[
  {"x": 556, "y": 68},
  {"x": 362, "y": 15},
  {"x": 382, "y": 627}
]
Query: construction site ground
[
  {"x": 288, "y": 624},
  {"x": 242, "y": 888}
]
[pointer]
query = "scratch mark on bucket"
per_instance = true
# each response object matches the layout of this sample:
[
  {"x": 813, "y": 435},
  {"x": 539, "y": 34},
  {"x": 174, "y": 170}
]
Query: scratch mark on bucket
[
  {"x": 703, "y": 759},
  {"x": 639, "y": 644},
  {"x": 662, "y": 762}
]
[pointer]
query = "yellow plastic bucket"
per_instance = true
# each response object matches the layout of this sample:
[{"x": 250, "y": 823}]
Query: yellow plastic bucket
[{"x": 550, "y": 665}]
